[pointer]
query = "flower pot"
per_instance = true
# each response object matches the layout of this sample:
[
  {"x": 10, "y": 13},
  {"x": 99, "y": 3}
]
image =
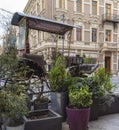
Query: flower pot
[
  {"x": 78, "y": 118},
  {"x": 13, "y": 124},
  {"x": 20, "y": 127}
]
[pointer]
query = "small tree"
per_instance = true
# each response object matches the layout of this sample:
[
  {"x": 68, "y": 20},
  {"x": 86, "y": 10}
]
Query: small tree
[{"x": 13, "y": 86}]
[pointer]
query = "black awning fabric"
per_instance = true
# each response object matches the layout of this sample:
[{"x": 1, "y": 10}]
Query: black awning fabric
[{"x": 38, "y": 23}]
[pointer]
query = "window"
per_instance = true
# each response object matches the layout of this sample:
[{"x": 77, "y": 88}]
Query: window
[
  {"x": 118, "y": 62},
  {"x": 43, "y": 4},
  {"x": 108, "y": 11},
  {"x": 94, "y": 35},
  {"x": 79, "y": 5},
  {"x": 62, "y": 4},
  {"x": 38, "y": 9},
  {"x": 108, "y": 35},
  {"x": 94, "y": 7},
  {"x": 79, "y": 34}
]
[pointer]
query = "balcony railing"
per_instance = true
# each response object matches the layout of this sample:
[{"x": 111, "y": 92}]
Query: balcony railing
[
  {"x": 108, "y": 45},
  {"x": 111, "y": 18}
]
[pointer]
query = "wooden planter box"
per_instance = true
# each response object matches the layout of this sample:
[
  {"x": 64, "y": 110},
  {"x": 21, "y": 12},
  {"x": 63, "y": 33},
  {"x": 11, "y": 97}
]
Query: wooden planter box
[{"x": 45, "y": 119}]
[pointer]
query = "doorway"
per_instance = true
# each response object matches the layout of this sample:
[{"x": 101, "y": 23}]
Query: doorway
[{"x": 108, "y": 64}]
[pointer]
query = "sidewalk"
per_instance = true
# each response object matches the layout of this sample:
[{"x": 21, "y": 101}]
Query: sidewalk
[{"x": 108, "y": 122}]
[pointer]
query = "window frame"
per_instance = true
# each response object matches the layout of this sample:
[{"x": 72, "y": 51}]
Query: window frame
[
  {"x": 107, "y": 10},
  {"x": 43, "y": 4},
  {"x": 94, "y": 35},
  {"x": 108, "y": 35},
  {"x": 62, "y": 4},
  {"x": 80, "y": 6},
  {"x": 96, "y": 7},
  {"x": 80, "y": 32}
]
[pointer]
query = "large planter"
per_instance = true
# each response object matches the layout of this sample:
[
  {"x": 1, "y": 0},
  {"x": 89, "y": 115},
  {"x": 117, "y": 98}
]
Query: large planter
[
  {"x": 43, "y": 120},
  {"x": 94, "y": 110},
  {"x": 78, "y": 118},
  {"x": 59, "y": 101},
  {"x": 109, "y": 106}
]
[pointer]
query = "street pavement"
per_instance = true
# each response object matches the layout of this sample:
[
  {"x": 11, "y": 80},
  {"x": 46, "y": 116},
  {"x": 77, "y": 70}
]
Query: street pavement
[{"x": 108, "y": 122}]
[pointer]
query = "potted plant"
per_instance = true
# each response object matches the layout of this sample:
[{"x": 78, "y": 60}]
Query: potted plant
[
  {"x": 38, "y": 87},
  {"x": 13, "y": 106},
  {"x": 44, "y": 119},
  {"x": 12, "y": 91},
  {"x": 101, "y": 87},
  {"x": 59, "y": 82},
  {"x": 78, "y": 111},
  {"x": 96, "y": 93},
  {"x": 105, "y": 89},
  {"x": 41, "y": 116},
  {"x": 39, "y": 90}
]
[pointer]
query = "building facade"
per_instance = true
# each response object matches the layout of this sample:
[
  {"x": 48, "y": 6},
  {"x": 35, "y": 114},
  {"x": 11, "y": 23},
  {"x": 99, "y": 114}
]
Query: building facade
[{"x": 97, "y": 36}]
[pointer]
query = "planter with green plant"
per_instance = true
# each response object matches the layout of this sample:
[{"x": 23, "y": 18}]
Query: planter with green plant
[
  {"x": 38, "y": 92},
  {"x": 13, "y": 107},
  {"x": 102, "y": 88},
  {"x": 38, "y": 88},
  {"x": 78, "y": 111},
  {"x": 59, "y": 82},
  {"x": 12, "y": 91},
  {"x": 105, "y": 90},
  {"x": 45, "y": 119},
  {"x": 93, "y": 87}
]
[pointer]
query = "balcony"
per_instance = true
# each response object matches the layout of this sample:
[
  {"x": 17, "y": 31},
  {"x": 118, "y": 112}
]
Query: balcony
[
  {"x": 110, "y": 18},
  {"x": 109, "y": 46}
]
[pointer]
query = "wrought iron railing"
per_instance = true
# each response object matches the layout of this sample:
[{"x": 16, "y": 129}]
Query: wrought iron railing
[{"x": 110, "y": 17}]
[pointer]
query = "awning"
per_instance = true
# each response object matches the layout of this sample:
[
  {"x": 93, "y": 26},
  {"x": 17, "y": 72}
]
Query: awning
[{"x": 38, "y": 23}]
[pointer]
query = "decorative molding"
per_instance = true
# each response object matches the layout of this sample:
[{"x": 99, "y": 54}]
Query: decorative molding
[
  {"x": 58, "y": 16},
  {"x": 94, "y": 20},
  {"x": 79, "y": 18}
]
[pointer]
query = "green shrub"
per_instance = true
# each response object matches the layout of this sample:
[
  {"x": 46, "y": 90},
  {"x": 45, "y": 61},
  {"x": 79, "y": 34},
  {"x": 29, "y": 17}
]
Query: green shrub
[
  {"x": 80, "y": 98},
  {"x": 58, "y": 78}
]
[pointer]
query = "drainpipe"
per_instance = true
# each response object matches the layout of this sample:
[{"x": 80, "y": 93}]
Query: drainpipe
[
  {"x": 63, "y": 16},
  {"x": 52, "y": 13},
  {"x": 52, "y": 8}
]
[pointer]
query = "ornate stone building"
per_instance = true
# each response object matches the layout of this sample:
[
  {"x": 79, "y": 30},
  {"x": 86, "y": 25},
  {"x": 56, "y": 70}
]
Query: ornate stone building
[{"x": 97, "y": 37}]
